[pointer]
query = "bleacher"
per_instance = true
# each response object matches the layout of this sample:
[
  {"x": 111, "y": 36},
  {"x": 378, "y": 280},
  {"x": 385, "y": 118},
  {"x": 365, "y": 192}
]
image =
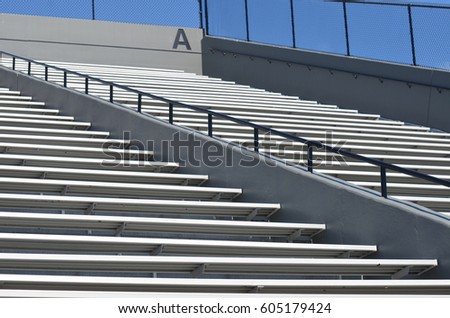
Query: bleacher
[
  {"x": 72, "y": 219},
  {"x": 409, "y": 146}
]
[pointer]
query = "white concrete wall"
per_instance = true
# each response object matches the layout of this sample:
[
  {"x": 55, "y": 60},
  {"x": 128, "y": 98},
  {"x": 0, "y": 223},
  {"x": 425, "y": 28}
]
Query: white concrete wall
[{"x": 100, "y": 42}]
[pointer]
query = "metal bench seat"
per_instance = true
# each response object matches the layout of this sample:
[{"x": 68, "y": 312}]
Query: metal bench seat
[
  {"x": 121, "y": 225},
  {"x": 231, "y": 127},
  {"x": 53, "y": 132},
  {"x": 374, "y": 176},
  {"x": 274, "y": 116},
  {"x": 194, "y": 87},
  {"x": 44, "y": 123},
  {"x": 27, "y": 110},
  {"x": 292, "y": 150},
  {"x": 64, "y": 140},
  {"x": 7, "y": 91},
  {"x": 109, "y": 153},
  {"x": 116, "y": 189},
  {"x": 9, "y": 114},
  {"x": 13, "y": 242},
  {"x": 92, "y": 205},
  {"x": 415, "y": 189},
  {"x": 101, "y": 175},
  {"x": 55, "y": 286},
  {"x": 361, "y": 137},
  {"x": 290, "y": 123},
  {"x": 357, "y": 145},
  {"x": 20, "y": 103},
  {"x": 440, "y": 204},
  {"x": 88, "y": 163},
  {"x": 197, "y": 266},
  {"x": 14, "y": 97}
]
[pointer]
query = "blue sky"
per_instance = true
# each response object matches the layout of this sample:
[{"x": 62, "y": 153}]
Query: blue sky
[{"x": 380, "y": 32}]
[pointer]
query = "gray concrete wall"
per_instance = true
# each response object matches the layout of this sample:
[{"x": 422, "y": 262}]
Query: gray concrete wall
[
  {"x": 352, "y": 215},
  {"x": 100, "y": 42},
  {"x": 393, "y": 90}
]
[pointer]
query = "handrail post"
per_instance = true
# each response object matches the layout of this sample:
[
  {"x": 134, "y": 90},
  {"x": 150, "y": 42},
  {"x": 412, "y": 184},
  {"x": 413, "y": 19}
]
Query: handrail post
[
  {"x": 200, "y": 12},
  {"x": 310, "y": 157},
  {"x": 383, "y": 181},
  {"x": 111, "y": 94},
  {"x": 170, "y": 113},
  {"x": 86, "y": 85},
  {"x": 46, "y": 73},
  {"x": 294, "y": 42},
  {"x": 65, "y": 79},
  {"x": 14, "y": 63},
  {"x": 29, "y": 68},
  {"x": 206, "y": 18},
  {"x": 247, "y": 28},
  {"x": 347, "y": 41},
  {"x": 139, "y": 103},
  {"x": 210, "y": 125},
  {"x": 411, "y": 32},
  {"x": 256, "y": 139}
]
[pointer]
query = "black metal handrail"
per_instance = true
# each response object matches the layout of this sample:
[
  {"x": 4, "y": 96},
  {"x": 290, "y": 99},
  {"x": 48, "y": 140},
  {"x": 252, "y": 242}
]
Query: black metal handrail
[{"x": 311, "y": 144}]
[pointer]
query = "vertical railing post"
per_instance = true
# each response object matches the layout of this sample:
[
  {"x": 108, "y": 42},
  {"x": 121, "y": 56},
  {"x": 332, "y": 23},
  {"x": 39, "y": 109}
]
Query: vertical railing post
[
  {"x": 111, "y": 94},
  {"x": 347, "y": 41},
  {"x": 256, "y": 139},
  {"x": 29, "y": 68},
  {"x": 93, "y": 9},
  {"x": 383, "y": 182},
  {"x": 86, "y": 85},
  {"x": 14, "y": 63},
  {"x": 247, "y": 29},
  {"x": 411, "y": 32},
  {"x": 294, "y": 42},
  {"x": 200, "y": 12},
  {"x": 46, "y": 73},
  {"x": 139, "y": 103},
  {"x": 310, "y": 158},
  {"x": 210, "y": 125},
  {"x": 171, "y": 113},
  {"x": 206, "y": 18},
  {"x": 65, "y": 79}
]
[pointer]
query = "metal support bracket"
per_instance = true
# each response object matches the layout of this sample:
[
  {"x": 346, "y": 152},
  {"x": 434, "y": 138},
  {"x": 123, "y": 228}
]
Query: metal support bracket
[
  {"x": 24, "y": 162},
  {"x": 44, "y": 175},
  {"x": 217, "y": 197},
  {"x": 120, "y": 229},
  {"x": 185, "y": 182},
  {"x": 65, "y": 190},
  {"x": 252, "y": 215},
  {"x": 401, "y": 273},
  {"x": 294, "y": 235},
  {"x": 346, "y": 254},
  {"x": 90, "y": 209},
  {"x": 157, "y": 251},
  {"x": 199, "y": 271},
  {"x": 256, "y": 289}
]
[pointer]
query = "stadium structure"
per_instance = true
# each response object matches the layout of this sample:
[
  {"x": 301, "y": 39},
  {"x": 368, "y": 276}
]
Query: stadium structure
[{"x": 173, "y": 161}]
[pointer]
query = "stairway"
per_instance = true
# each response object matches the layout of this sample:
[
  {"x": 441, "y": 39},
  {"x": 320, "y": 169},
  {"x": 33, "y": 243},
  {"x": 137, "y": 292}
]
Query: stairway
[
  {"x": 76, "y": 215},
  {"x": 409, "y": 146}
]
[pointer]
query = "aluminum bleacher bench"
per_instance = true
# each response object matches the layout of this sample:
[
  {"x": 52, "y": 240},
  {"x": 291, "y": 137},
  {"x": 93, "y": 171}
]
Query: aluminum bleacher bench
[
  {"x": 175, "y": 246},
  {"x": 55, "y": 286},
  {"x": 100, "y": 204},
  {"x": 197, "y": 266}
]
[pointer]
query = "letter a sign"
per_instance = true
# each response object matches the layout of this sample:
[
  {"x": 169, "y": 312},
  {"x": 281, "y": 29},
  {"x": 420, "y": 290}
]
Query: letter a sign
[{"x": 181, "y": 39}]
